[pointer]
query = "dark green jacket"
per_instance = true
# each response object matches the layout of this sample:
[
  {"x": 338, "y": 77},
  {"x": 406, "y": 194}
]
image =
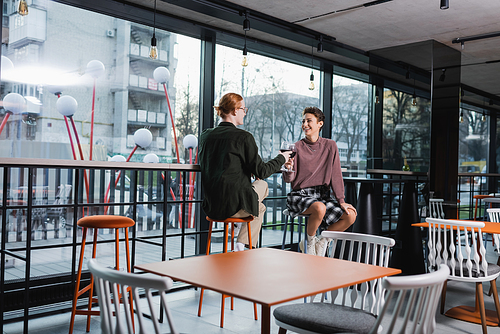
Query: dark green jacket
[{"x": 228, "y": 157}]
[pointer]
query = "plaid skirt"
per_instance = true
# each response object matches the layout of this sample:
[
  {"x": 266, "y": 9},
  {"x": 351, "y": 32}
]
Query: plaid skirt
[{"x": 298, "y": 201}]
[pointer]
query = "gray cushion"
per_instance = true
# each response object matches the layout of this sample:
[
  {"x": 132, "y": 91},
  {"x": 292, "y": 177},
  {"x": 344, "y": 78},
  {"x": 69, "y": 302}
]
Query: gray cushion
[
  {"x": 493, "y": 269},
  {"x": 325, "y": 318}
]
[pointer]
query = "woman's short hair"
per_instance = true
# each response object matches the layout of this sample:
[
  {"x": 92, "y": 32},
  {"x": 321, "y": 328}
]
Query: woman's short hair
[
  {"x": 316, "y": 112},
  {"x": 227, "y": 104}
]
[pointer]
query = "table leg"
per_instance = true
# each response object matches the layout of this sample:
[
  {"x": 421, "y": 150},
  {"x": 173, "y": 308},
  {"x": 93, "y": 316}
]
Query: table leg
[{"x": 265, "y": 327}]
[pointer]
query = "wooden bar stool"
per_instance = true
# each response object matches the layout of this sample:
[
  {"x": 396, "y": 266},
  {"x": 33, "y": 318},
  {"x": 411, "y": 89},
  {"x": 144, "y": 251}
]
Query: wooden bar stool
[
  {"x": 96, "y": 222},
  {"x": 226, "y": 222}
]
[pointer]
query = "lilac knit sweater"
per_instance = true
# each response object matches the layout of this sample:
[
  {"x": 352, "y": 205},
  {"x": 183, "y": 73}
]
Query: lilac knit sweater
[{"x": 317, "y": 164}]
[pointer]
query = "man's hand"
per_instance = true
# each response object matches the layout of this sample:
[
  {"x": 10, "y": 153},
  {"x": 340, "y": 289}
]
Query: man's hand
[{"x": 286, "y": 154}]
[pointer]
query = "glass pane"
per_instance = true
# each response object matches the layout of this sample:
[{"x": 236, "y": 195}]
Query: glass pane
[
  {"x": 406, "y": 132},
  {"x": 473, "y": 143},
  {"x": 275, "y": 92},
  {"x": 104, "y": 64},
  {"x": 350, "y": 123}
]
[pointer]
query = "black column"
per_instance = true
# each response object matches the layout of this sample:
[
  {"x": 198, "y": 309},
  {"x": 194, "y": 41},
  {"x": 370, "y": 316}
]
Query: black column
[
  {"x": 326, "y": 98},
  {"x": 445, "y": 100},
  {"x": 408, "y": 254},
  {"x": 207, "y": 95}
]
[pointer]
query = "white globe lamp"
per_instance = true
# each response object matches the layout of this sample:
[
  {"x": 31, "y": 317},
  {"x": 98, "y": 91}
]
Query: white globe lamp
[
  {"x": 7, "y": 64},
  {"x": 161, "y": 75},
  {"x": 14, "y": 103},
  {"x": 67, "y": 105},
  {"x": 118, "y": 158},
  {"x": 55, "y": 89},
  {"x": 190, "y": 141},
  {"x": 143, "y": 138},
  {"x": 151, "y": 158},
  {"x": 95, "y": 69}
]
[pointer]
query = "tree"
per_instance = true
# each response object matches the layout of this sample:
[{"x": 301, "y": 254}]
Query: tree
[
  {"x": 472, "y": 138},
  {"x": 350, "y": 115},
  {"x": 406, "y": 130},
  {"x": 187, "y": 115}
]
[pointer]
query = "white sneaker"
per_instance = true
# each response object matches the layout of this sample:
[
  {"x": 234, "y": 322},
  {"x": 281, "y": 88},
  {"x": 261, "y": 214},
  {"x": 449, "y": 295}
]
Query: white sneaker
[
  {"x": 311, "y": 246},
  {"x": 322, "y": 246},
  {"x": 239, "y": 247}
]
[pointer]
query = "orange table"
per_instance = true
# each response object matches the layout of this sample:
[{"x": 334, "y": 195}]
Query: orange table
[
  {"x": 469, "y": 313},
  {"x": 267, "y": 276}
]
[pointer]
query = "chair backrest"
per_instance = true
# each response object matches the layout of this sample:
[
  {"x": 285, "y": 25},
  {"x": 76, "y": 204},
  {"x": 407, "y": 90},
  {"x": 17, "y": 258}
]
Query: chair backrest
[
  {"x": 414, "y": 309},
  {"x": 436, "y": 208},
  {"x": 458, "y": 244},
  {"x": 495, "y": 218},
  {"x": 110, "y": 283},
  {"x": 364, "y": 248}
]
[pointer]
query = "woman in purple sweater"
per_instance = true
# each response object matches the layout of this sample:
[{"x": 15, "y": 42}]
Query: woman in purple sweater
[{"x": 314, "y": 171}]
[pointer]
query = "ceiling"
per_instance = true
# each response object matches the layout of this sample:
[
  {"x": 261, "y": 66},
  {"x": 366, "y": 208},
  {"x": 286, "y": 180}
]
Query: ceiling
[{"x": 361, "y": 29}]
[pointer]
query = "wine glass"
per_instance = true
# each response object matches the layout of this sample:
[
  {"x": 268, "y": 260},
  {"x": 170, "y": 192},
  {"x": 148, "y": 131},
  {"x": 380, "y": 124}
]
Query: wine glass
[{"x": 286, "y": 146}]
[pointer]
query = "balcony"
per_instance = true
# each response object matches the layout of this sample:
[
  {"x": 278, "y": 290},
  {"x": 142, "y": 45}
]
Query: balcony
[{"x": 28, "y": 29}]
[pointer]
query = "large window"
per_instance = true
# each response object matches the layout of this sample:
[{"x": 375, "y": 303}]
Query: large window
[
  {"x": 350, "y": 123},
  {"x": 406, "y": 132},
  {"x": 55, "y": 48},
  {"x": 473, "y": 140},
  {"x": 275, "y": 93}
]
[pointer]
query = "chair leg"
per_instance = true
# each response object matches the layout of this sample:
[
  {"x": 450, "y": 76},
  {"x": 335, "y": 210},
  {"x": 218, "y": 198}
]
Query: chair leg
[
  {"x": 222, "y": 311},
  {"x": 493, "y": 287},
  {"x": 91, "y": 292},
  {"x": 209, "y": 238},
  {"x": 78, "y": 278},
  {"x": 443, "y": 296},
  {"x": 250, "y": 245},
  {"x": 284, "y": 233},
  {"x": 201, "y": 302},
  {"x": 249, "y": 235},
  {"x": 282, "y": 331},
  {"x": 480, "y": 298}
]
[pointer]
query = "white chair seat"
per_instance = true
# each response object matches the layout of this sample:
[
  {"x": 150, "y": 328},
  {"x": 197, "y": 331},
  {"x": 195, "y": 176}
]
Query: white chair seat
[{"x": 413, "y": 300}]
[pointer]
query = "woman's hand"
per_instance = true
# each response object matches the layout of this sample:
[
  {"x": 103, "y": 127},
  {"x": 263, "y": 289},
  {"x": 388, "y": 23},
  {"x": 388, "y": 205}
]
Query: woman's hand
[
  {"x": 346, "y": 207},
  {"x": 289, "y": 164}
]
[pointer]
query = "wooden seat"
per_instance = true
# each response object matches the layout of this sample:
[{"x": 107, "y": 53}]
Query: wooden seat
[
  {"x": 226, "y": 222},
  {"x": 97, "y": 222}
]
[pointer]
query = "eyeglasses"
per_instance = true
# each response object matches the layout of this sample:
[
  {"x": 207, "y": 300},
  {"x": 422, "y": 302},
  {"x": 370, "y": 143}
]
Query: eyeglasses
[{"x": 244, "y": 109}]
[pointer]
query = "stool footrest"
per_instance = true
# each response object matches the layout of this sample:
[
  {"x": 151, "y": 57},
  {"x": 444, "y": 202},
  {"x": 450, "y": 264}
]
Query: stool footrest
[
  {"x": 85, "y": 289},
  {"x": 87, "y": 312}
]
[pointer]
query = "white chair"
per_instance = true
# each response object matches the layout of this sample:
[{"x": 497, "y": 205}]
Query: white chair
[
  {"x": 364, "y": 248},
  {"x": 410, "y": 307},
  {"x": 111, "y": 283},
  {"x": 436, "y": 208},
  {"x": 450, "y": 243},
  {"x": 494, "y": 215}
]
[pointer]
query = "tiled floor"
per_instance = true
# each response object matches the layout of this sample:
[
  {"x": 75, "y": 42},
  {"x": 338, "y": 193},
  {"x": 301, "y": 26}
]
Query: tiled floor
[{"x": 183, "y": 305}]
